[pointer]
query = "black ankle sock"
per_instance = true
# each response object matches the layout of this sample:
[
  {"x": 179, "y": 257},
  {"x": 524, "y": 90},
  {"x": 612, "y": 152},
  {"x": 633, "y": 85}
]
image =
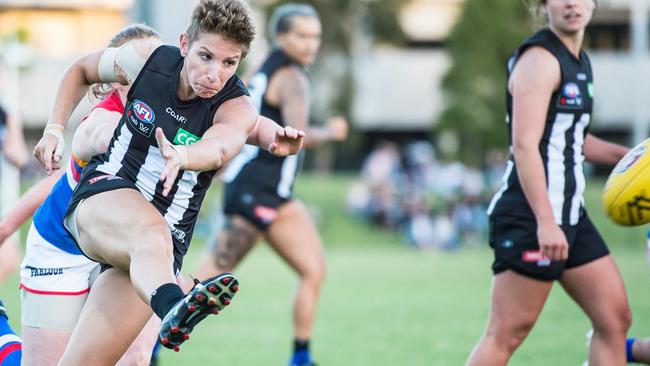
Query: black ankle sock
[
  {"x": 300, "y": 345},
  {"x": 165, "y": 297}
]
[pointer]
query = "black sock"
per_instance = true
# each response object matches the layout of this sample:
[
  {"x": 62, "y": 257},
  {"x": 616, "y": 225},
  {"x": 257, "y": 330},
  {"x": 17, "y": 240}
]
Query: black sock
[
  {"x": 165, "y": 297},
  {"x": 300, "y": 345}
]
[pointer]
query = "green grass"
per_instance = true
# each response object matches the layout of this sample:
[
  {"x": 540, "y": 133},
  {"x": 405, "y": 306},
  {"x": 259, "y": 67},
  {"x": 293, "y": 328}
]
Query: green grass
[{"x": 386, "y": 304}]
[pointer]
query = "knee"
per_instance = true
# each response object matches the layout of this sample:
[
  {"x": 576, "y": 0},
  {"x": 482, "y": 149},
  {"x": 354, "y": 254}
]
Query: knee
[
  {"x": 508, "y": 337},
  {"x": 315, "y": 273},
  {"x": 154, "y": 240},
  {"x": 223, "y": 263},
  {"x": 616, "y": 322},
  {"x": 225, "y": 257},
  {"x": 626, "y": 319},
  {"x": 137, "y": 356}
]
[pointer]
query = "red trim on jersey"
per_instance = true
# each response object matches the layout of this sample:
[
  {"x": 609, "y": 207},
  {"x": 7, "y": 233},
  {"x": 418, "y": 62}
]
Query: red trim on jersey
[
  {"x": 63, "y": 293},
  {"x": 9, "y": 350},
  {"x": 111, "y": 103}
]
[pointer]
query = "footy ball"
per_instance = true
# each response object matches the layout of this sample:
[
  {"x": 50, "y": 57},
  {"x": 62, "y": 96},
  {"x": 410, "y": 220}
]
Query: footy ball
[{"x": 626, "y": 196}]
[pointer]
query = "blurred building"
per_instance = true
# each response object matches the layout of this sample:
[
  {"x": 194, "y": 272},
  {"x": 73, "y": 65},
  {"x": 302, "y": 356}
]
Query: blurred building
[
  {"x": 398, "y": 89},
  {"x": 618, "y": 44},
  {"x": 617, "y": 40},
  {"x": 55, "y": 32}
]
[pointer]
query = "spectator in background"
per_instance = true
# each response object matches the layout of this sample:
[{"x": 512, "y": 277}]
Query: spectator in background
[
  {"x": 380, "y": 178},
  {"x": 435, "y": 204}
]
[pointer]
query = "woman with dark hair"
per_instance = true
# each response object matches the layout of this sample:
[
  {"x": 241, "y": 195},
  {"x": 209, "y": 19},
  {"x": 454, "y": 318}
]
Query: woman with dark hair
[
  {"x": 136, "y": 205},
  {"x": 255, "y": 207},
  {"x": 539, "y": 228}
]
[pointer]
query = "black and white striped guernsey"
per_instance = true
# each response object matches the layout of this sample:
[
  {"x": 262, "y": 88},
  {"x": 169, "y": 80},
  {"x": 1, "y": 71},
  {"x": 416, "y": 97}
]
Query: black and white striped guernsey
[
  {"x": 561, "y": 145},
  {"x": 133, "y": 153},
  {"x": 254, "y": 166}
]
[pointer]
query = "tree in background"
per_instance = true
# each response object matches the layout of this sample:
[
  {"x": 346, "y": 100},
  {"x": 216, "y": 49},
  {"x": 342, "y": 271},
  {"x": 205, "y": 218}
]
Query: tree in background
[
  {"x": 479, "y": 45},
  {"x": 349, "y": 26}
]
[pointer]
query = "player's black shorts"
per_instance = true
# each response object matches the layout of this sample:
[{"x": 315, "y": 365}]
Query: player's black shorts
[
  {"x": 93, "y": 182},
  {"x": 514, "y": 240},
  {"x": 256, "y": 204}
]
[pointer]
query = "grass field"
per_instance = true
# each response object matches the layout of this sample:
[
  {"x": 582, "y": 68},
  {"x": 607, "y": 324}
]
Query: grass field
[{"x": 386, "y": 304}]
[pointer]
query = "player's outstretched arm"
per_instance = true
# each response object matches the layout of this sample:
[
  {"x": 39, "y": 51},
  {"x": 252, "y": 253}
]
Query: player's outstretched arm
[
  {"x": 599, "y": 151},
  {"x": 336, "y": 129},
  {"x": 26, "y": 206},
  {"x": 278, "y": 140},
  {"x": 121, "y": 65},
  {"x": 294, "y": 100},
  {"x": 15, "y": 149}
]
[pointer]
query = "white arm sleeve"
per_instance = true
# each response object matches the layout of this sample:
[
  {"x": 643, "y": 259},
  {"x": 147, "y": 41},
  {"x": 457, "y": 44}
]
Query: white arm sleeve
[
  {"x": 125, "y": 58},
  {"x": 106, "y": 67}
]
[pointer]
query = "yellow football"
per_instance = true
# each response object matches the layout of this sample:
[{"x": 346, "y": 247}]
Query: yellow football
[{"x": 626, "y": 196}]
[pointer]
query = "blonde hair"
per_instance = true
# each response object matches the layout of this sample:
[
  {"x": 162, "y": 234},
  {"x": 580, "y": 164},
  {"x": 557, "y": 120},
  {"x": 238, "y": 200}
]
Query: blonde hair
[
  {"x": 134, "y": 31},
  {"x": 228, "y": 18},
  {"x": 535, "y": 7}
]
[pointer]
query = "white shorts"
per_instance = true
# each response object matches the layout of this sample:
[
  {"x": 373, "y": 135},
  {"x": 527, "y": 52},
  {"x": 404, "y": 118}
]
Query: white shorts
[{"x": 54, "y": 284}]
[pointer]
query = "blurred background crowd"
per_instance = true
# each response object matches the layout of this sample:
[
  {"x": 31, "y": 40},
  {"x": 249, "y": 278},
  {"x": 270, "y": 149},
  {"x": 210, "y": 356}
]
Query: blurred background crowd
[{"x": 432, "y": 203}]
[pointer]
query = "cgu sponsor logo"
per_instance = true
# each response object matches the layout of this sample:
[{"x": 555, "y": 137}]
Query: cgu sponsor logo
[
  {"x": 176, "y": 116},
  {"x": 143, "y": 112},
  {"x": 185, "y": 137}
]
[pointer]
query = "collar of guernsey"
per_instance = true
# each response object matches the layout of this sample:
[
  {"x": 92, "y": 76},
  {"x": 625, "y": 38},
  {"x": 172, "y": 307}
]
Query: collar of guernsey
[{"x": 49, "y": 215}]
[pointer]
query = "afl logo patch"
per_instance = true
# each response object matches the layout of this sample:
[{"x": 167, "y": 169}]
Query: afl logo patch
[
  {"x": 141, "y": 117},
  {"x": 143, "y": 111},
  {"x": 571, "y": 90},
  {"x": 570, "y": 96},
  {"x": 630, "y": 159}
]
